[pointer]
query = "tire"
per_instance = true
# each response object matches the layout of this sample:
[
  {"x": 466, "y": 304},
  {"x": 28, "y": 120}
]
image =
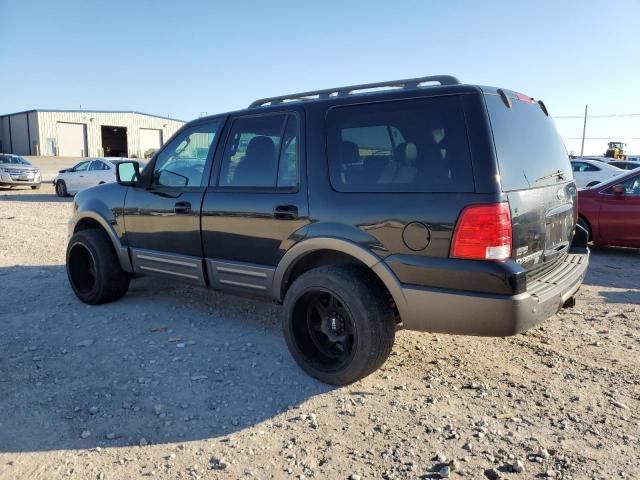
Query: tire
[
  {"x": 35, "y": 187},
  {"x": 61, "y": 188},
  {"x": 93, "y": 269},
  {"x": 360, "y": 320},
  {"x": 584, "y": 224}
]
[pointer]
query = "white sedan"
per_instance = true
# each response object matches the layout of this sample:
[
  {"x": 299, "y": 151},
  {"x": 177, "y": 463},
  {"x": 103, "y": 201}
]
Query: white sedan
[
  {"x": 88, "y": 173},
  {"x": 588, "y": 173}
]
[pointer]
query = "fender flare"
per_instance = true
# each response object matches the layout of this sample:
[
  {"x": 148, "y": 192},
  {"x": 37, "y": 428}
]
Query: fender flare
[
  {"x": 121, "y": 251},
  {"x": 372, "y": 261}
]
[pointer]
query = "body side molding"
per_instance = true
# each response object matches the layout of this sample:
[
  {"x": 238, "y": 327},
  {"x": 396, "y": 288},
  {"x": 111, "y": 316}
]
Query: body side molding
[
  {"x": 240, "y": 276},
  {"x": 178, "y": 267}
]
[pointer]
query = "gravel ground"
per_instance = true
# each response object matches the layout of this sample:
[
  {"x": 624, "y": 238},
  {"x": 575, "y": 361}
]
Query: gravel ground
[{"x": 179, "y": 382}]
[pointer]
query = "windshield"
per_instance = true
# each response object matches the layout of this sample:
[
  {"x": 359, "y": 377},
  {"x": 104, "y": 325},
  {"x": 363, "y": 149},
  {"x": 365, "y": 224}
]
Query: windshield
[
  {"x": 13, "y": 159},
  {"x": 611, "y": 181},
  {"x": 529, "y": 149}
]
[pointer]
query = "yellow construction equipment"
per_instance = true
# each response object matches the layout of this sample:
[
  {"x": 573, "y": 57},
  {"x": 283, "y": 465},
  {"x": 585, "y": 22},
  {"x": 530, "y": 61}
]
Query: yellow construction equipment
[{"x": 616, "y": 150}]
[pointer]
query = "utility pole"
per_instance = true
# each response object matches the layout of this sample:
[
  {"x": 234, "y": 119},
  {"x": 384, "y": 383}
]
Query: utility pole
[{"x": 584, "y": 129}]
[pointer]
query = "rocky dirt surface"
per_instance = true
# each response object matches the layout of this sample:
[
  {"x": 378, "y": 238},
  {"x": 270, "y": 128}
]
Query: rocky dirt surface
[{"x": 176, "y": 382}]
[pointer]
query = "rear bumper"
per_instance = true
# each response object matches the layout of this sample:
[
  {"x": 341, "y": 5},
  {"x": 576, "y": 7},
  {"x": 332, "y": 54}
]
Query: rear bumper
[{"x": 469, "y": 313}]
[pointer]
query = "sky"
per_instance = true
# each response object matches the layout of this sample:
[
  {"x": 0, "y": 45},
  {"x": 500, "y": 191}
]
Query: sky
[{"x": 187, "y": 58}]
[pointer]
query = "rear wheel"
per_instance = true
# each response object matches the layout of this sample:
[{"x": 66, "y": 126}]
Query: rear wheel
[
  {"x": 337, "y": 324},
  {"x": 93, "y": 269},
  {"x": 61, "y": 188}
]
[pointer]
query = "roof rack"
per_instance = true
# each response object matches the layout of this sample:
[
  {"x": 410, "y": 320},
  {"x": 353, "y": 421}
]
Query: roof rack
[{"x": 407, "y": 84}]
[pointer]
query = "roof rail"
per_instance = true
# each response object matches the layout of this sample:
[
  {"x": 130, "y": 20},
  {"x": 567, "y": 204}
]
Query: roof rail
[{"x": 407, "y": 84}]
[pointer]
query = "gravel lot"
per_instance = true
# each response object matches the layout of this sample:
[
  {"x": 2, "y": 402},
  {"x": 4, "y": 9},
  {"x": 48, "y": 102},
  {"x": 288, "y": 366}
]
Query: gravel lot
[{"x": 179, "y": 382}]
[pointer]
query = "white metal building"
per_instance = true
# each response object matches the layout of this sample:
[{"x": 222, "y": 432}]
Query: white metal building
[{"x": 83, "y": 133}]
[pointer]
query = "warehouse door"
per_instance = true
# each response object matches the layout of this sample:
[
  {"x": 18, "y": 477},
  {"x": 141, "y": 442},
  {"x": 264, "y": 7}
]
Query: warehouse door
[
  {"x": 72, "y": 139},
  {"x": 150, "y": 139},
  {"x": 114, "y": 141}
]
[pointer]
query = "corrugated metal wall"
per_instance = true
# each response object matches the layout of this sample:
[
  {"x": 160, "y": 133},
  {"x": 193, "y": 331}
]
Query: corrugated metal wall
[
  {"x": 5, "y": 139},
  {"x": 19, "y": 133},
  {"x": 133, "y": 122}
]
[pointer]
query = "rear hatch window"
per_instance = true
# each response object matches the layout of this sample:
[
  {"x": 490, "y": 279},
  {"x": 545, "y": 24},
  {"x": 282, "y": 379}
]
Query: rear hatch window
[
  {"x": 527, "y": 143},
  {"x": 536, "y": 175}
]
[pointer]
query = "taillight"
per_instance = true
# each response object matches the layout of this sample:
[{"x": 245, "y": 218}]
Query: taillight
[{"x": 483, "y": 232}]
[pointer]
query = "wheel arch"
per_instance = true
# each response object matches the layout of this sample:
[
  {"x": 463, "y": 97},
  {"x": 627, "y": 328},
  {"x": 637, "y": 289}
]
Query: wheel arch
[
  {"x": 591, "y": 232},
  {"x": 315, "y": 252},
  {"x": 92, "y": 220}
]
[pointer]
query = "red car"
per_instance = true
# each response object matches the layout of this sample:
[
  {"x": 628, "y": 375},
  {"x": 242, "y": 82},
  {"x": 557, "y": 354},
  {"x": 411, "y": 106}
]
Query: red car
[{"x": 610, "y": 211}]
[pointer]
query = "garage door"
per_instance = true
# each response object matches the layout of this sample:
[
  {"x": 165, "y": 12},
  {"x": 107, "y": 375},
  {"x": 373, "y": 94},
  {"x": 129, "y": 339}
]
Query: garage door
[
  {"x": 71, "y": 140},
  {"x": 149, "y": 138}
]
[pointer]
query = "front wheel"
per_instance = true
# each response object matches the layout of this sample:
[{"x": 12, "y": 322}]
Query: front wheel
[
  {"x": 584, "y": 224},
  {"x": 93, "y": 268},
  {"x": 338, "y": 324},
  {"x": 61, "y": 188}
]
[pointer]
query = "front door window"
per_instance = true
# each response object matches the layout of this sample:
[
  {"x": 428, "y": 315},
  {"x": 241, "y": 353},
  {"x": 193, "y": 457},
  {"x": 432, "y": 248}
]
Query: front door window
[{"x": 181, "y": 163}]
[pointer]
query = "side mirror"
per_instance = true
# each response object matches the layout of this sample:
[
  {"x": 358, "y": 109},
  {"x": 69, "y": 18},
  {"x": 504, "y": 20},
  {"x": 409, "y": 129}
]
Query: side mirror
[
  {"x": 618, "y": 190},
  {"x": 128, "y": 173}
]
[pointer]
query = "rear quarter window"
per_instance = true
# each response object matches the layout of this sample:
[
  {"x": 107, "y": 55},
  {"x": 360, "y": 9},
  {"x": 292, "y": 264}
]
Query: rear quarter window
[
  {"x": 417, "y": 145},
  {"x": 527, "y": 144}
]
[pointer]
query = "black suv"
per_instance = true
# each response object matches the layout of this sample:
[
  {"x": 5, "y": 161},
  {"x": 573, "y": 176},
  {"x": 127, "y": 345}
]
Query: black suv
[{"x": 422, "y": 204}]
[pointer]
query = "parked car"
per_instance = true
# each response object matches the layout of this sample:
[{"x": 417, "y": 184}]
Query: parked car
[
  {"x": 624, "y": 165},
  {"x": 87, "y": 173},
  {"x": 610, "y": 211},
  {"x": 16, "y": 171},
  {"x": 595, "y": 158},
  {"x": 430, "y": 205},
  {"x": 588, "y": 173}
]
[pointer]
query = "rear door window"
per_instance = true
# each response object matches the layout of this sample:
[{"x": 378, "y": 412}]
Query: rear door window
[
  {"x": 261, "y": 152},
  {"x": 400, "y": 146},
  {"x": 527, "y": 144}
]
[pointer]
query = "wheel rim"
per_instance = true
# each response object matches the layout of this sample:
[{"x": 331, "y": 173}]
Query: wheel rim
[
  {"x": 323, "y": 330},
  {"x": 82, "y": 268}
]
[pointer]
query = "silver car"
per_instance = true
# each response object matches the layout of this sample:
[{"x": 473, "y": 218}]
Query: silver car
[{"x": 15, "y": 171}]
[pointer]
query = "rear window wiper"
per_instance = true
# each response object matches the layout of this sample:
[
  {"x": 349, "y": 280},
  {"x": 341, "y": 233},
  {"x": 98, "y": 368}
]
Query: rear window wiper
[{"x": 558, "y": 173}]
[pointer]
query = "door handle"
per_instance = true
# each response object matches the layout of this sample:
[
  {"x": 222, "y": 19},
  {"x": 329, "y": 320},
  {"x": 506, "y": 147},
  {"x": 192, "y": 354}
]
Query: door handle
[
  {"x": 285, "y": 212},
  {"x": 182, "y": 207}
]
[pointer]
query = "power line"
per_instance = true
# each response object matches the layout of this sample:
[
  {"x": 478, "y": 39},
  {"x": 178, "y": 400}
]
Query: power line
[
  {"x": 604, "y": 115},
  {"x": 602, "y": 138}
]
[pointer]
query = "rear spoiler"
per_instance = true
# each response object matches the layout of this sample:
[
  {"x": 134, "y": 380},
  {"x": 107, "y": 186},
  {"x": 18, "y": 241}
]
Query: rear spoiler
[{"x": 506, "y": 99}]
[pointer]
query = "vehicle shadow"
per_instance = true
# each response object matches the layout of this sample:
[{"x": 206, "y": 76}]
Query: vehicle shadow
[
  {"x": 21, "y": 196},
  {"x": 629, "y": 296},
  {"x": 613, "y": 267},
  {"x": 167, "y": 363}
]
